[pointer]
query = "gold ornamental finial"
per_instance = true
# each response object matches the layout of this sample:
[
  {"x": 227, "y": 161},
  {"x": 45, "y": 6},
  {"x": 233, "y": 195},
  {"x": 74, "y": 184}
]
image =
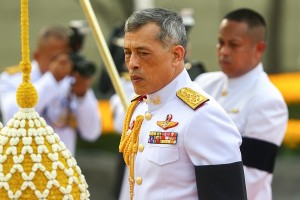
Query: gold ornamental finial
[
  {"x": 27, "y": 96},
  {"x": 34, "y": 163}
]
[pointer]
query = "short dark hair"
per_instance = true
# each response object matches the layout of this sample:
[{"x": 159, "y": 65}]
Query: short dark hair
[
  {"x": 172, "y": 30},
  {"x": 251, "y": 17}
]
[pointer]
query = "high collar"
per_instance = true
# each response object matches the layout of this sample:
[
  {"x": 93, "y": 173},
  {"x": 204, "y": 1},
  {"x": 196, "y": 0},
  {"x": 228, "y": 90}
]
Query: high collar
[
  {"x": 245, "y": 80},
  {"x": 167, "y": 93}
]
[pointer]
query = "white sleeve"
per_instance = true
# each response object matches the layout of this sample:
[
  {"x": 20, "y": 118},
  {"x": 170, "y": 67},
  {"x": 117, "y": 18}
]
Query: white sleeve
[
  {"x": 211, "y": 137},
  {"x": 88, "y": 117},
  {"x": 8, "y": 88},
  {"x": 47, "y": 89},
  {"x": 268, "y": 121},
  {"x": 118, "y": 113}
]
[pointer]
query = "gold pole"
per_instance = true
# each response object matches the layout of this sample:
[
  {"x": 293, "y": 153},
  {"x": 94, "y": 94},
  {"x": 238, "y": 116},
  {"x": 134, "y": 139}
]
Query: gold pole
[{"x": 104, "y": 51}]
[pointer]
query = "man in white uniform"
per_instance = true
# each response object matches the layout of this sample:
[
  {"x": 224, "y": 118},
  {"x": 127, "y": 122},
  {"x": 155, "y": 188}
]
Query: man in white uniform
[
  {"x": 66, "y": 100},
  {"x": 245, "y": 92},
  {"x": 177, "y": 142}
]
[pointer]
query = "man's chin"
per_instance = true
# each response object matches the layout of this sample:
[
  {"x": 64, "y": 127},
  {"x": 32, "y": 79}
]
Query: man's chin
[{"x": 139, "y": 91}]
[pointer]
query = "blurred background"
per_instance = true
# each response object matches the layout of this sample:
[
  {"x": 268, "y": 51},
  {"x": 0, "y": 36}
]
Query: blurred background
[
  {"x": 283, "y": 53},
  {"x": 98, "y": 160}
]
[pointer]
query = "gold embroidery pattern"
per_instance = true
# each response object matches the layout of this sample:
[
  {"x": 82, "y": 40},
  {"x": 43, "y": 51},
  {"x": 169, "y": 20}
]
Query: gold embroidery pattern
[
  {"x": 191, "y": 97},
  {"x": 155, "y": 101}
]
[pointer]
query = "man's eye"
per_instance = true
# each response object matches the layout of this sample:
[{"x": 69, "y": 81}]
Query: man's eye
[
  {"x": 143, "y": 53},
  {"x": 127, "y": 54},
  {"x": 220, "y": 43},
  {"x": 234, "y": 45}
]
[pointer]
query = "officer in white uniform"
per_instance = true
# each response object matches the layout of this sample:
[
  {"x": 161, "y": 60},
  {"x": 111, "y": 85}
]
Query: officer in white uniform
[
  {"x": 67, "y": 106},
  {"x": 177, "y": 142},
  {"x": 245, "y": 92}
]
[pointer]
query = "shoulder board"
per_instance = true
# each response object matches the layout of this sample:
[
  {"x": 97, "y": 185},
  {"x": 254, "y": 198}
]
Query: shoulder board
[
  {"x": 192, "y": 98},
  {"x": 138, "y": 98},
  {"x": 12, "y": 69}
]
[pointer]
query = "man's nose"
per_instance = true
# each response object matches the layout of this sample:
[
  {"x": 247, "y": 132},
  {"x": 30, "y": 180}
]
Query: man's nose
[
  {"x": 133, "y": 62},
  {"x": 223, "y": 50}
]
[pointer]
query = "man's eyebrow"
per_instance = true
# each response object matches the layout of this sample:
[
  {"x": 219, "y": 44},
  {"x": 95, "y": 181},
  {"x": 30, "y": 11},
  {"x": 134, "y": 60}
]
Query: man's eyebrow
[{"x": 137, "y": 48}]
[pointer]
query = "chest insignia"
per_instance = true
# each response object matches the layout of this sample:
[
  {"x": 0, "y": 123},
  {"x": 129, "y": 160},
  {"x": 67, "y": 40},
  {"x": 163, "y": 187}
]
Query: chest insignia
[
  {"x": 157, "y": 137},
  {"x": 234, "y": 110},
  {"x": 167, "y": 123},
  {"x": 155, "y": 101},
  {"x": 191, "y": 97}
]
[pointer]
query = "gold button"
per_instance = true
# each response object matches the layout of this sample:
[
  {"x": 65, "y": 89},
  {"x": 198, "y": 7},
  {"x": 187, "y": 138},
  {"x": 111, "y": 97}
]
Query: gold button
[
  {"x": 141, "y": 147},
  {"x": 139, "y": 180},
  {"x": 224, "y": 93},
  {"x": 148, "y": 115}
]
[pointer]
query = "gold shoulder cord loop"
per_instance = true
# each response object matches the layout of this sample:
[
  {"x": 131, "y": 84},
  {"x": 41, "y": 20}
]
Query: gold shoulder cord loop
[
  {"x": 129, "y": 142},
  {"x": 26, "y": 93}
]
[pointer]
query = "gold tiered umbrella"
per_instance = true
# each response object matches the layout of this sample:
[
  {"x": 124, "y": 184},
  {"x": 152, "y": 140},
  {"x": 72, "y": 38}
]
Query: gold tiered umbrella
[{"x": 34, "y": 163}]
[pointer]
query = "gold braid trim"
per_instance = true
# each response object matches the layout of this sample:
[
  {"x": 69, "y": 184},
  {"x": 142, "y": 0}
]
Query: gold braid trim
[
  {"x": 129, "y": 142},
  {"x": 125, "y": 137},
  {"x": 26, "y": 93}
]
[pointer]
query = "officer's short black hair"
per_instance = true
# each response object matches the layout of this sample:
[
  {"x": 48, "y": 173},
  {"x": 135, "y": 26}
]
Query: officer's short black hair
[{"x": 251, "y": 17}]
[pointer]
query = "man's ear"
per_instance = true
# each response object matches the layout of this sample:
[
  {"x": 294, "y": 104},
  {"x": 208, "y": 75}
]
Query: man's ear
[
  {"x": 260, "y": 49},
  {"x": 178, "y": 53},
  {"x": 261, "y": 46}
]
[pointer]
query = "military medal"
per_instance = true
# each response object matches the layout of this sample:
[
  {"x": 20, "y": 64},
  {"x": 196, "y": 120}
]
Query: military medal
[
  {"x": 158, "y": 137},
  {"x": 234, "y": 110},
  {"x": 167, "y": 123}
]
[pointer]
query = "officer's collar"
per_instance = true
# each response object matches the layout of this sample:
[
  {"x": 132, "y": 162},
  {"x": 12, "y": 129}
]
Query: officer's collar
[
  {"x": 246, "y": 79},
  {"x": 167, "y": 93}
]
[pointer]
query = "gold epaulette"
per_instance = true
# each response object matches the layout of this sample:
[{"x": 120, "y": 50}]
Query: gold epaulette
[
  {"x": 192, "y": 98},
  {"x": 12, "y": 69}
]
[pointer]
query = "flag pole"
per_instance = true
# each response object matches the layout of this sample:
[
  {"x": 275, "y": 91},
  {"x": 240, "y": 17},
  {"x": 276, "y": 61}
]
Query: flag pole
[{"x": 104, "y": 51}]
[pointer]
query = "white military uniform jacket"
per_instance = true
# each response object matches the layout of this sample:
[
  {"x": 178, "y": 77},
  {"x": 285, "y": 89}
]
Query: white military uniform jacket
[
  {"x": 206, "y": 136},
  {"x": 260, "y": 114},
  {"x": 54, "y": 105}
]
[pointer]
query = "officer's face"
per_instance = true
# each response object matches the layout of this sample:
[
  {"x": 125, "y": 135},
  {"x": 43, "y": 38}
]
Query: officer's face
[
  {"x": 150, "y": 64},
  {"x": 238, "y": 49}
]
